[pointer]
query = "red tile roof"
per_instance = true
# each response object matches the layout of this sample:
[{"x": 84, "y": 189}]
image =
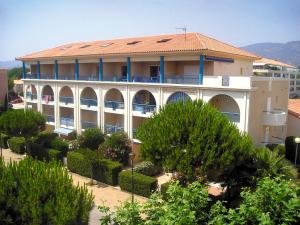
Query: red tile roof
[
  {"x": 294, "y": 107},
  {"x": 192, "y": 42},
  {"x": 273, "y": 62}
]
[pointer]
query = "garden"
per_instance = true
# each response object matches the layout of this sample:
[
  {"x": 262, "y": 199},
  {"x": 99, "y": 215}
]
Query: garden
[{"x": 261, "y": 184}]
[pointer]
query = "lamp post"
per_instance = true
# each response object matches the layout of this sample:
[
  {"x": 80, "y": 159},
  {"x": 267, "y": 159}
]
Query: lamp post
[
  {"x": 297, "y": 141},
  {"x": 131, "y": 156}
]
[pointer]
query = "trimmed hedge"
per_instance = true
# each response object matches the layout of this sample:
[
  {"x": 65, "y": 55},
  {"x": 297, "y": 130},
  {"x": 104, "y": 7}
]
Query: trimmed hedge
[
  {"x": 147, "y": 168},
  {"x": 37, "y": 151},
  {"x": 143, "y": 185},
  {"x": 3, "y": 140},
  {"x": 163, "y": 189},
  {"x": 84, "y": 161},
  {"x": 60, "y": 145},
  {"x": 17, "y": 144},
  {"x": 54, "y": 154},
  {"x": 45, "y": 138}
]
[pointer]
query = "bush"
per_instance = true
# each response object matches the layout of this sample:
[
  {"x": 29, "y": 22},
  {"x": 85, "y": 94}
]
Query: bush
[
  {"x": 20, "y": 122},
  {"x": 116, "y": 147},
  {"x": 271, "y": 146},
  {"x": 45, "y": 138},
  {"x": 164, "y": 188},
  {"x": 54, "y": 154},
  {"x": 17, "y": 144},
  {"x": 60, "y": 145},
  {"x": 147, "y": 168},
  {"x": 3, "y": 140},
  {"x": 36, "y": 150},
  {"x": 73, "y": 135},
  {"x": 280, "y": 149},
  {"x": 91, "y": 138},
  {"x": 34, "y": 192},
  {"x": 143, "y": 185},
  {"x": 87, "y": 163},
  {"x": 193, "y": 138}
]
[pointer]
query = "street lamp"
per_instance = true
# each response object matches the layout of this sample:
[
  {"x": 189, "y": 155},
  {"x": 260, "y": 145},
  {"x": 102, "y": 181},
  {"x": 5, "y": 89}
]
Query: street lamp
[
  {"x": 131, "y": 157},
  {"x": 297, "y": 141}
]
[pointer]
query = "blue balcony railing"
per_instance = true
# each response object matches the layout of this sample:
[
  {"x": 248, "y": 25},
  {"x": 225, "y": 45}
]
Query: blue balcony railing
[
  {"x": 49, "y": 118},
  {"x": 115, "y": 78},
  {"x": 233, "y": 117},
  {"x": 31, "y": 96},
  {"x": 144, "y": 79},
  {"x": 66, "y": 99},
  {"x": 182, "y": 79},
  {"x": 88, "y": 77},
  {"x": 31, "y": 76},
  {"x": 88, "y": 124},
  {"x": 144, "y": 108},
  {"x": 47, "y": 76},
  {"x": 114, "y": 105},
  {"x": 88, "y": 102},
  {"x": 48, "y": 98},
  {"x": 112, "y": 128},
  {"x": 67, "y": 121},
  {"x": 66, "y": 77}
]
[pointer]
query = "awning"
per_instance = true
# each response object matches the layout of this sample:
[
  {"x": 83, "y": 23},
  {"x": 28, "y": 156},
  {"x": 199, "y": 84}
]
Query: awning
[{"x": 63, "y": 131}]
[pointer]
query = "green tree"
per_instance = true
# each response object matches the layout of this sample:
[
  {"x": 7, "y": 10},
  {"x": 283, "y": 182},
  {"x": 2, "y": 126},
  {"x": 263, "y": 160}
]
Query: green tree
[
  {"x": 24, "y": 123},
  {"x": 193, "y": 136},
  {"x": 91, "y": 138},
  {"x": 14, "y": 74}
]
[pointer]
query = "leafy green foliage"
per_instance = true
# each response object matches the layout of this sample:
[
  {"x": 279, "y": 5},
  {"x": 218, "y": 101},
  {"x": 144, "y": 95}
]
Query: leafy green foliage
[
  {"x": 14, "y": 74},
  {"x": 45, "y": 138},
  {"x": 17, "y": 144},
  {"x": 275, "y": 201},
  {"x": 116, "y": 147},
  {"x": 3, "y": 140},
  {"x": 164, "y": 188},
  {"x": 193, "y": 137},
  {"x": 147, "y": 168},
  {"x": 54, "y": 154},
  {"x": 24, "y": 123},
  {"x": 60, "y": 145},
  {"x": 143, "y": 185},
  {"x": 91, "y": 138},
  {"x": 34, "y": 192}
]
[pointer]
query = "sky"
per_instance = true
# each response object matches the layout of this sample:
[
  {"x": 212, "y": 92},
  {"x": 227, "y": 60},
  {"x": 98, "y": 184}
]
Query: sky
[{"x": 32, "y": 25}]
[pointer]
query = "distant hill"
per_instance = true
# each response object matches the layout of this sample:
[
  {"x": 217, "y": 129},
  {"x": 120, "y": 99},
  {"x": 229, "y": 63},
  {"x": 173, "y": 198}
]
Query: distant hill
[
  {"x": 10, "y": 64},
  {"x": 287, "y": 52}
]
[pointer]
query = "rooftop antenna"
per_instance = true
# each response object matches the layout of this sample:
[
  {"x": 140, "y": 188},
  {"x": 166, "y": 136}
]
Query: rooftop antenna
[{"x": 183, "y": 29}]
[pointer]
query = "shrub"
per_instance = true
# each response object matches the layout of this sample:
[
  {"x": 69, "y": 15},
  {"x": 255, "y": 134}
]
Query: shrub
[
  {"x": 143, "y": 185},
  {"x": 36, "y": 150},
  {"x": 54, "y": 154},
  {"x": 73, "y": 135},
  {"x": 280, "y": 149},
  {"x": 3, "y": 140},
  {"x": 271, "y": 146},
  {"x": 91, "y": 138},
  {"x": 107, "y": 171},
  {"x": 44, "y": 195},
  {"x": 147, "y": 168},
  {"x": 20, "y": 122},
  {"x": 45, "y": 138},
  {"x": 275, "y": 201},
  {"x": 116, "y": 147},
  {"x": 193, "y": 137},
  {"x": 76, "y": 163},
  {"x": 60, "y": 145},
  {"x": 164, "y": 188},
  {"x": 17, "y": 144}
]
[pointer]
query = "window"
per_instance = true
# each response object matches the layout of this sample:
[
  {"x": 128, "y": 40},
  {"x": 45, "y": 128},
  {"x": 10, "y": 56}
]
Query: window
[
  {"x": 124, "y": 72},
  {"x": 106, "y": 44},
  {"x": 154, "y": 73},
  {"x": 292, "y": 76},
  {"x": 84, "y": 46},
  {"x": 65, "y": 47},
  {"x": 133, "y": 42},
  {"x": 164, "y": 40}
]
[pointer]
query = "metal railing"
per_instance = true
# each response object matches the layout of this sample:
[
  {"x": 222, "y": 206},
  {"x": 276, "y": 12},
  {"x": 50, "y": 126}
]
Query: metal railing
[
  {"x": 112, "y": 128},
  {"x": 88, "y": 77},
  {"x": 66, "y": 77},
  {"x": 182, "y": 79},
  {"x": 144, "y": 108},
  {"x": 88, "y": 124},
  {"x": 67, "y": 121},
  {"x": 115, "y": 78},
  {"x": 31, "y": 96},
  {"x": 31, "y": 76},
  {"x": 49, "y": 98},
  {"x": 88, "y": 102},
  {"x": 47, "y": 76},
  {"x": 49, "y": 118},
  {"x": 114, "y": 105},
  {"x": 232, "y": 116},
  {"x": 66, "y": 99},
  {"x": 145, "y": 79}
]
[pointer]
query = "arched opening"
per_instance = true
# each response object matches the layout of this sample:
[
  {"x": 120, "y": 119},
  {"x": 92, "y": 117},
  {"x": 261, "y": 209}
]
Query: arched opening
[
  {"x": 88, "y": 97},
  {"x": 179, "y": 97},
  {"x": 31, "y": 93},
  {"x": 66, "y": 95},
  {"x": 227, "y": 106},
  {"x": 47, "y": 94},
  {"x": 114, "y": 99},
  {"x": 144, "y": 102}
]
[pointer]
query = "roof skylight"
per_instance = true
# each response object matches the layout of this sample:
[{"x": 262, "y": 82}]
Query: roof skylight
[
  {"x": 133, "y": 42},
  {"x": 84, "y": 46},
  {"x": 164, "y": 40},
  {"x": 106, "y": 44},
  {"x": 65, "y": 47}
]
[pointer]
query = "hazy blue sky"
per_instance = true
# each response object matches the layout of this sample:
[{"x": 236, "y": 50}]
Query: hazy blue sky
[{"x": 31, "y": 25}]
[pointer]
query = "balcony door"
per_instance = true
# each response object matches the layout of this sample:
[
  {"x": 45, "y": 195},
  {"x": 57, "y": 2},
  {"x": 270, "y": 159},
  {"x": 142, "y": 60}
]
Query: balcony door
[{"x": 154, "y": 73}]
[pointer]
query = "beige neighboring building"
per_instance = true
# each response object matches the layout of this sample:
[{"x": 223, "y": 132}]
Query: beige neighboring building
[
  {"x": 272, "y": 68},
  {"x": 118, "y": 84},
  {"x": 3, "y": 85},
  {"x": 18, "y": 86},
  {"x": 293, "y": 128}
]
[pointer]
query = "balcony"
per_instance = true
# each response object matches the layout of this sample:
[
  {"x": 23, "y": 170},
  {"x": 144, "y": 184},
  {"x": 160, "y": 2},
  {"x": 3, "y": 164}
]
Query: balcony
[
  {"x": 67, "y": 122},
  {"x": 112, "y": 128},
  {"x": 143, "y": 79},
  {"x": 274, "y": 118},
  {"x": 88, "y": 124},
  {"x": 66, "y": 100},
  {"x": 88, "y": 102},
  {"x": 182, "y": 79},
  {"x": 144, "y": 108},
  {"x": 114, "y": 105},
  {"x": 47, "y": 76},
  {"x": 89, "y": 77},
  {"x": 31, "y": 76},
  {"x": 115, "y": 78}
]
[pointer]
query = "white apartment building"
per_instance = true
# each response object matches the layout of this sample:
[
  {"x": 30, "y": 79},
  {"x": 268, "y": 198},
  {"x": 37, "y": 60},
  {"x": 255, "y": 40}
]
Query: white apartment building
[
  {"x": 118, "y": 84},
  {"x": 273, "y": 68}
]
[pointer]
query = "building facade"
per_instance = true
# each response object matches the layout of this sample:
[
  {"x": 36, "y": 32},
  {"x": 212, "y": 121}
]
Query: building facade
[
  {"x": 293, "y": 128},
  {"x": 273, "y": 68},
  {"x": 118, "y": 84}
]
